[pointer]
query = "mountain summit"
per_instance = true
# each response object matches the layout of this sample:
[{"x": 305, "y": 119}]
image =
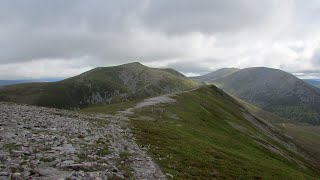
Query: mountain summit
[{"x": 102, "y": 85}]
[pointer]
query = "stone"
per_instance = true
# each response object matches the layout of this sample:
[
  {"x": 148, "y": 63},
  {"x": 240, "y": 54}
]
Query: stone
[
  {"x": 75, "y": 166},
  {"x": 87, "y": 164},
  {"x": 4, "y": 174},
  {"x": 21, "y": 152},
  {"x": 67, "y": 148},
  {"x": 169, "y": 175},
  {"x": 92, "y": 176},
  {"x": 114, "y": 169},
  {"x": 26, "y": 173},
  {"x": 47, "y": 171},
  {"x": 16, "y": 175},
  {"x": 3, "y": 157}
]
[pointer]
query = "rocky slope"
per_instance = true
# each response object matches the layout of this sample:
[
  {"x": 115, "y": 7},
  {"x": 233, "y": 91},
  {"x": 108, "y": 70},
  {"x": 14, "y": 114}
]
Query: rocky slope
[
  {"x": 102, "y": 85},
  {"x": 47, "y": 143},
  {"x": 275, "y": 91}
]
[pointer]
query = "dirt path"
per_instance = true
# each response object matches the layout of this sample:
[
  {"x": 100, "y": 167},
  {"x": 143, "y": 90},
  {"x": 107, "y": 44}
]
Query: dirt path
[
  {"x": 137, "y": 158},
  {"x": 165, "y": 99},
  {"x": 141, "y": 162}
]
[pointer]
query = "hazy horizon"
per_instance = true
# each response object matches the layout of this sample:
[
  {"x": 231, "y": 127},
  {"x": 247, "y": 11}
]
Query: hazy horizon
[{"x": 54, "y": 79}]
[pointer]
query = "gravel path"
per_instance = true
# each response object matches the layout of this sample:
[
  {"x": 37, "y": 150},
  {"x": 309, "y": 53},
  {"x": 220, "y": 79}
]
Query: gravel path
[{"x": 165, "y": 99}]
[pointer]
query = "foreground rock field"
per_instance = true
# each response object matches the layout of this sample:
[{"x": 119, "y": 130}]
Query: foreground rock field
[{"x": 42, "y": 143}]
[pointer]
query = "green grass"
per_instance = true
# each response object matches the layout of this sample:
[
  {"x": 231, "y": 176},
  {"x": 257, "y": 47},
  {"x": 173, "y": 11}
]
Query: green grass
[
  {"x": 204, "y": 136},
  {"x": 301, "y": 113},
  {"x": 307, "y": 136},
  {"x": 10, "y": 147},
  {"x": 103, "y": 152}
]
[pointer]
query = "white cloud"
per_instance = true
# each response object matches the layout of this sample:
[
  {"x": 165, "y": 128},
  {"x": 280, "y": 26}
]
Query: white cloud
[{"x": 43, "y": 68}]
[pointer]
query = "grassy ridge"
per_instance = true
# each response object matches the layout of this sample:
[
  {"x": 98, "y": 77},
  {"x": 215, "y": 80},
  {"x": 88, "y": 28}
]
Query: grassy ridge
[{"x": 204, "y": 135}]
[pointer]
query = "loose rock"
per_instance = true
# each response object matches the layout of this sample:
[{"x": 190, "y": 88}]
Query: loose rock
[{"x": 47, "y": 143}]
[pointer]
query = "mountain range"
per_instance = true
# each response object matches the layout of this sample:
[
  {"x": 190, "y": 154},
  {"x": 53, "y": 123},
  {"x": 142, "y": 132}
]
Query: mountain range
[
  {"x": 272, "y": 90},
  {"x": 10, "y": 82}
]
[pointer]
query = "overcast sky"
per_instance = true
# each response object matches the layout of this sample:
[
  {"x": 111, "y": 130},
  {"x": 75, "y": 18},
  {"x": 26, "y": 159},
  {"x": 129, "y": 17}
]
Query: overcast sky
[{"x": 62, "y": 38}]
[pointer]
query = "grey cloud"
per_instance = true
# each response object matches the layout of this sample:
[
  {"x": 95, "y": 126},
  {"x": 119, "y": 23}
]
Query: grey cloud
[
  {"x": 66, "y": 29},
  {"x": 189, "y": 67},
  {"x": 206, "y": 16},
  {"x": 193, "y": 36},
  {"x": 316, "y": 57},
  {"x": 94, "y": 14}
]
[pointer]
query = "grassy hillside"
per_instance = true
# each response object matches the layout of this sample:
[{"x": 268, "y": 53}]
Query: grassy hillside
[
  {"x": 104, "y": 85},
  {"x": 307, "y": 136},
  {"x": 275, "y": 91},
  {"x": 206, "y": 134},
  {"x": 304, "y": 135}
]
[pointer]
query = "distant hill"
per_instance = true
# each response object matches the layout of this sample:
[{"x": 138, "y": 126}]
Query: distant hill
[
  {"x": 314, "y": 82},
  {"x": 9, "y": 82},
  {"x": 103, "y": 85},
  {"x": 275, "y": 91},
  {"x": 215, "y": 75}
]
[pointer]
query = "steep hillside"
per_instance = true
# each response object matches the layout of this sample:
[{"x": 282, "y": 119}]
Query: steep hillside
[
  {"x": 103, "y": 85},
  {"x": 306, "y": 136},
  {"x": 215, "y": 75},
  {"x": 206, "y": 134},
  {"x": 275, "y": 91}
]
